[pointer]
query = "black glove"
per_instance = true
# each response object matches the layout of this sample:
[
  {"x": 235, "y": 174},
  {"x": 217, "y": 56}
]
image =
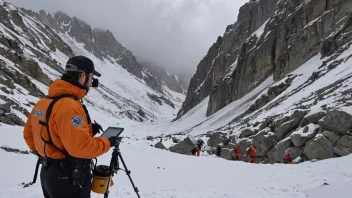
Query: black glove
[
  {"x": 113, "y": 141},
  {"x": 96, "y": 128}
]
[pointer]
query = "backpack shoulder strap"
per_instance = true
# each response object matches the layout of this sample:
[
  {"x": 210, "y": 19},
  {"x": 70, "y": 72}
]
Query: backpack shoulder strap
[{"x": 47, "y": 118}]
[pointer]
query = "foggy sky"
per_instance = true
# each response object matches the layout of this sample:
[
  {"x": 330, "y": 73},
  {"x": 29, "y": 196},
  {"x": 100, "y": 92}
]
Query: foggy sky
[{"x": 175, "y": 34}]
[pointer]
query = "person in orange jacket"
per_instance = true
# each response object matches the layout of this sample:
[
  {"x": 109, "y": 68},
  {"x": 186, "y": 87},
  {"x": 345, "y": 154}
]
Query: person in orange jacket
[
  {"x": 288, "y": 159},
  {"x": 196, "y": 151},
  {"x": 60, "y": 132},
  {"x": 237, "y": 152},
  {"x": 252, "y": 153}
]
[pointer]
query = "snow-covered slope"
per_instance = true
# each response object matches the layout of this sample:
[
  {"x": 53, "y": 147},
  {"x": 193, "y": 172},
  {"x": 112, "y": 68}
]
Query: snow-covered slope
[
  {"x": 281, "y": 82},
  {"x": 277, "y": 111},
  {"x": 33, "y": 55},
  {"x": 159, "y": 174}
]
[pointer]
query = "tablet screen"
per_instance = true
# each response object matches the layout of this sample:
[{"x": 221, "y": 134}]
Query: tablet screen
[{"x": 112, "y": 131}]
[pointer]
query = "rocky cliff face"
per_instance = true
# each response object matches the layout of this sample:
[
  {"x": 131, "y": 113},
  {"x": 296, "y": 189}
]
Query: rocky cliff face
[
  {"x": 175, "y": 83},
  {"x": 291, "y": 83},
  {"x": 220, "y": 61},
  {"x": 270, "y": 38},
  {"x": 34, "y": 48},
  {"x": 101, "y": 43}
]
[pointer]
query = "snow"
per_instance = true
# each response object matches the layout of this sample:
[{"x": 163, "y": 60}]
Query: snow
[
  {"x": 159, "y": 173},
  {"x": 346, "y": 109},
  {"x": 195, "y": 122},
  {"x": 165, "y": 174},
  {"x": 121, "y": 91},
  {"x": 125, "y": 86},
  {"x": 311, "y": 129},
  {"x": 314, "y": 110},
  {"x": 19, "y": 114},
  {"x": 258, "y": 33},
  {"x": 231, "y": 69},
  {"x": 337, "y": 189}
]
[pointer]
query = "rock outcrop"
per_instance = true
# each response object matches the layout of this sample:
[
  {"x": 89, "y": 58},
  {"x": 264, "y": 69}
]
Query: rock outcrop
[
  {"x": 222, "y": 59},
  {"x": 269, "y": 38}
]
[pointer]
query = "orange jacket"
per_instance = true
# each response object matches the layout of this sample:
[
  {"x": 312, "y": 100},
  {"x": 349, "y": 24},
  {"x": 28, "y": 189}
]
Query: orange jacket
[
  {"x": 288, "y": 158},
  {"x": 196, "y": 151},
  {"x": 237, "y": 150},
  {"x": 68, "y": 124},
  {"x": 251, "y": 152}
]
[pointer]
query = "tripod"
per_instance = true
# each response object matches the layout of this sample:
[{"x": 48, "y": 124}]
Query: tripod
[{"x": 114, "y": 167}]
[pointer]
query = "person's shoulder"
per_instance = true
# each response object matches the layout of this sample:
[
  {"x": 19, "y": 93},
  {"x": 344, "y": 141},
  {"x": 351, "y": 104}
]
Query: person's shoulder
[{"x": 68, "y": 103}]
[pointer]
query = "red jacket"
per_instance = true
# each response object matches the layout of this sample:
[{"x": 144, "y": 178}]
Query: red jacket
[
  {"x": 288, "y": 158},
  {"x": 237, "y": 150},
  {"x": 251, "y": 152}
]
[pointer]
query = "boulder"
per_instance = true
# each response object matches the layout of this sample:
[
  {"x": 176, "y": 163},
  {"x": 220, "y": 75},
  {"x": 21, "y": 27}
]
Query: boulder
[
  {"x": 319, "y": 148},
  {"x": 216, "y": 138},
  {"x": 176, "y": 140},
  {"x": 184, "y": 147},
  {"x": 346, "y": 141},
  {"x": 287, "y": 124},
  {"x": 341, "y": 150},
  {"x": 233, "y": 138},
  {"x": 150, "y": 137},
  {"x": 294, "y": 152},
  {"x": 271, "y": 155},
  {"x": 331, "y": 136},
  {"x": 160, "y": 146},
  {"x": 311, "y": 118},
  {"x": 244, "y": 145},
  {"x": 264, "y": 141},
  {"x": 338, "y": 121},
  {"x": 281, "y": 149},
  {"x": 266, "y": 123},
  {"x": 247, "y": 133},
  {"x": 302, "y": 135},
  {"x": 226, "y": 153}
]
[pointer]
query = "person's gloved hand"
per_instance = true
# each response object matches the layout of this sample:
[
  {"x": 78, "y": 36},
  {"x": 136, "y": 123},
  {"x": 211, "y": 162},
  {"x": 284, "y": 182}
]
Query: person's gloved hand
[
  {"x": 96, "y": 128},
  {"x": 113, "y": 141}
]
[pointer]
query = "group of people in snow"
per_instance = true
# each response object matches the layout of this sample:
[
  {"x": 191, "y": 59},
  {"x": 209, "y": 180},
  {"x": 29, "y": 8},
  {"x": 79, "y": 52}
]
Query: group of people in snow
[{"x": 251, "y": 152}]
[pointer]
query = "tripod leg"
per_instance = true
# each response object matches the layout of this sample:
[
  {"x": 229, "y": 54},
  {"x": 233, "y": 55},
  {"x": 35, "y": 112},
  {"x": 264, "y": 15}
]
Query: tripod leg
[
  {"x": 128, "y": 172},
  {"x": 113, "y": 164}
]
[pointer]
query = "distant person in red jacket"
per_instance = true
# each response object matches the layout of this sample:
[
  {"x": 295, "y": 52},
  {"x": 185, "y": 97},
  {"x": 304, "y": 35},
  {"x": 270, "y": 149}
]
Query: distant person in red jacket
[
  {"x": 237, "y": 152},
  {"x": 288, "y": 159},
  {"x": 252, "y": 153},
  {"x": 196, "y": 151}
]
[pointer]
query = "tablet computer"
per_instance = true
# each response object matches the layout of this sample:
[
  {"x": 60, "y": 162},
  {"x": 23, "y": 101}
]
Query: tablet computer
[{"x": 112, "y": 131}]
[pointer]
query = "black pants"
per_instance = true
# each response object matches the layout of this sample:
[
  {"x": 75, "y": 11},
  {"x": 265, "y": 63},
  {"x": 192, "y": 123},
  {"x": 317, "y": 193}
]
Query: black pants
[{"x": 56, "y": 184}]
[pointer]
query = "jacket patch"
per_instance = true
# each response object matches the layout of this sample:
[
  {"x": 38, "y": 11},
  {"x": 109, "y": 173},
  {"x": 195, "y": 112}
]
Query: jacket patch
[
  {"x": 38, "y": 113},
  {"x": 77, "y": 121}
]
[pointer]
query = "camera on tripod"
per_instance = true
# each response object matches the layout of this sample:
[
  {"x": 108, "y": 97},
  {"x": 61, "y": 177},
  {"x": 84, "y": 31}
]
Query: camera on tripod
[{"x": 102, "y": 174}]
